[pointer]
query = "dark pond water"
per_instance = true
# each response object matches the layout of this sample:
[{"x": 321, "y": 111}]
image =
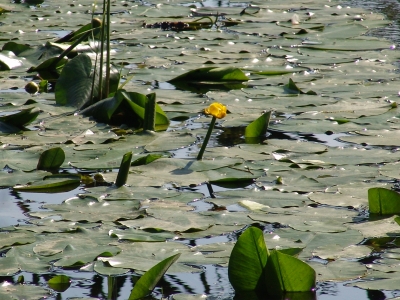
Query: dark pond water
[{"x": 213, "y": 281}]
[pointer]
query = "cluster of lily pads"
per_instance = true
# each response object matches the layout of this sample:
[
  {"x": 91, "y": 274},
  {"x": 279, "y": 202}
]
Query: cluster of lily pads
[{"x": 324, "y": 75}]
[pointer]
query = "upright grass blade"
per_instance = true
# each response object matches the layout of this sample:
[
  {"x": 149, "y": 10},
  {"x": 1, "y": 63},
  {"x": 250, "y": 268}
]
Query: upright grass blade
[
  {"x": 149, "y": 280},
  {"x": 122, "y": 176}
]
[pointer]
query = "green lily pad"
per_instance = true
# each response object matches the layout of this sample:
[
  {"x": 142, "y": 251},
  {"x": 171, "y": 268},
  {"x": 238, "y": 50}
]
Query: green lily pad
[{"x": 9, "y": 291}]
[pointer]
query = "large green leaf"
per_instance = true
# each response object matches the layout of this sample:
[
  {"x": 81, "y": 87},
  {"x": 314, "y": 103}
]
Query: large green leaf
[
  {"x": 285, "y": 273},
  {"x": 247, "y": 261},
  {"x": 74, "y": 86},
  {"x": 138, "y": 103},
  {"x": 383, "y": 201},
  {"x": 126, "y": 108},
  {"x": 149, "y": 280},
  {"x": 258, "y": 127},
  {"x": 51, "y": 159}
]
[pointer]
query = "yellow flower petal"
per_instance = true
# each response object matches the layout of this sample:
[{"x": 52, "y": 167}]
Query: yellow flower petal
[{"x": 217, "y": 110}]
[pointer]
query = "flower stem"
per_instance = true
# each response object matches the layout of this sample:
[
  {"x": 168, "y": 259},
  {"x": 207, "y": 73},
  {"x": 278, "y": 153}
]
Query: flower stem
[{"x": 206, "y": 139}]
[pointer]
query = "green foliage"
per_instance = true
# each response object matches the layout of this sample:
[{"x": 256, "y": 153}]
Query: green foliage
[
  {"x": 21, "y": 118},
  {"x": 146, "y": 159},
  {"x": 15, "y": 47},
  {"x": 258, "y": 127},
  {"x": 252, "y": 268},
  {"x": 52, "y": 184},
  {"x": 149, "y": 121},
  {"x": 212, "y": 74},
  {"x": 285, "y": 273},
  {"x": 124, "y": 169},
  {"x": 51, "y": 159},
  {"x": 248, "y": 261},
  {"x": 383, "y": 201},
  {"x": 149, "y": 280},
  {"x": 292, "y": 88},
  {"x": 74, "y": 85},
  {"x": 127, "y": 108},
  {"x": 59, "y": 283}
]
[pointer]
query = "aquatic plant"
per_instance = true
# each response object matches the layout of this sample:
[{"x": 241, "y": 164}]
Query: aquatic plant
[
  {"x": 217, "y": 111},
  {"x": 254, "y": 269}
]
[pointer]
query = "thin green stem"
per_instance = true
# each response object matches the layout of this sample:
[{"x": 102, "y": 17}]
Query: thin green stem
[
  {"x": 102, "y": 37},
  {"x": 111, "y": 287},
  {"x": 107, "y": 84},
  {"x": 207, "y": 138}
]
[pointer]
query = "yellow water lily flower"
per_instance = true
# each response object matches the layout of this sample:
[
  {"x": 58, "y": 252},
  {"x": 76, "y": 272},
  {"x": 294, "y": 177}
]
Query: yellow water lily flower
[{"x": 217, "y": 110}]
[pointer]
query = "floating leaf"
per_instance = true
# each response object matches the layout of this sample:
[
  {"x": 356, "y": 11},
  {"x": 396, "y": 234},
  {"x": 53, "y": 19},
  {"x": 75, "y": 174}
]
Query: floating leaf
[
  {"x": 21, "y": 118},
  {"x": 10, "y": 291},
  {"x": 291, "y": 88},
  {"x": 52, "y": 184},
  {"x": 212, "y": 74},
  {"x": 9, "y": 62}
]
